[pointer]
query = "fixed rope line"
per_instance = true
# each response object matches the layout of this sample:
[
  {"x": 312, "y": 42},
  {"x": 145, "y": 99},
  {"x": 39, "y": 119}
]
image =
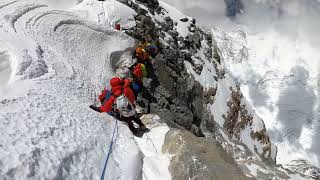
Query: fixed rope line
[
  {"x": 113, "y": 139},
  {"x": 148, "y": 138}
]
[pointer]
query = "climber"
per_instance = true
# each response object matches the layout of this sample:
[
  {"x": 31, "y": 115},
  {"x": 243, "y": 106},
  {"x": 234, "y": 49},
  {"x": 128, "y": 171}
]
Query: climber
[
  {"x": 111, "y": 104},
  {"x": 144, "y": 50},
  {"x": 127, "y": 113},
  {"x": 141, "y": 54},
  {"x": 145, "y": 54},
  {"x": 107, "y": 97},
  {"x": 138, "y": 73},
  {"x": 117, "y": 27}
]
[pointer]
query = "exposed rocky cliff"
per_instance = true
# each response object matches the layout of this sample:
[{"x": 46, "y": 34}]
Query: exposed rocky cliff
[{"x": 191, "y": 91}]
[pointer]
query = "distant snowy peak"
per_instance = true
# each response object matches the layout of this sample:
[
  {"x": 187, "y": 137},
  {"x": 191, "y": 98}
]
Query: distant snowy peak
[
  {"x": 231, "y": 46},
  {"x": 107, "y": 13}
]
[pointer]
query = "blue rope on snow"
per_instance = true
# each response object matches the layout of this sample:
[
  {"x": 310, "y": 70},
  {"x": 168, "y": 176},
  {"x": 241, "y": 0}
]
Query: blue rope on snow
[{"x": 110, "y": 150}]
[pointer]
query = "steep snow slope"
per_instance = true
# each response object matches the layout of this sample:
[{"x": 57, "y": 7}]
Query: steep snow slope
[{"x": 59, "y": 64}]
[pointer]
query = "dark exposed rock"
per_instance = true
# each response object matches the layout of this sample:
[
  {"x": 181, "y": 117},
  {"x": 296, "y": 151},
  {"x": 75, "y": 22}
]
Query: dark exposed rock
[
  {"x": 209, "y": 94},
  {"x": 196, "y": 130},
  {"x": 193, "y": 21},
  {"x": 185, "y": 19},
  {"x": 198, "y": 68},
  {"x": 174, "y": 33},
  {"x": 188, "y": 57},
  {"x": 151, "y": 4},
  {"x": 196, "y": 39},
  {"x": 216, "y": 55},
  {"x": 167, "y": 25},
  {"x": 192, "y": 29},
  {"x": 238, "y": 119}
]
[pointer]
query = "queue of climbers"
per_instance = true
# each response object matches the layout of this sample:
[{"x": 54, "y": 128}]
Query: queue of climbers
[{"x": 119, "y": 98}]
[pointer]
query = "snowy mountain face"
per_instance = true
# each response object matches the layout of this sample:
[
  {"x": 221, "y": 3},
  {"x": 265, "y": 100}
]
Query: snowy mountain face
[
  {"x": 271, "y": 48},
  {"x": 278, "y": 69},
  {"x": 56, "y": 56}
]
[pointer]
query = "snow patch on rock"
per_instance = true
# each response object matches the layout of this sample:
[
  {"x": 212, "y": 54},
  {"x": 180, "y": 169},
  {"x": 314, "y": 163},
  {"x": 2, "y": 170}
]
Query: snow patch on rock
[{"x": 155, "y": 162}]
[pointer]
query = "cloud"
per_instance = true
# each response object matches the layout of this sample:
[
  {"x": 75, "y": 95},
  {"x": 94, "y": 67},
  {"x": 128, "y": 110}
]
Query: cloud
[{"x": 294, "y": 18}]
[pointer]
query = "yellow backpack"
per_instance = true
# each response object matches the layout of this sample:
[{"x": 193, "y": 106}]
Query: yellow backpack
[{"x": 144, "y": 70}]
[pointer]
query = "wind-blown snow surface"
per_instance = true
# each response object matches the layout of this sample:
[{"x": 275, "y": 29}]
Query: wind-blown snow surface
[{"x": 59, "y": 64}]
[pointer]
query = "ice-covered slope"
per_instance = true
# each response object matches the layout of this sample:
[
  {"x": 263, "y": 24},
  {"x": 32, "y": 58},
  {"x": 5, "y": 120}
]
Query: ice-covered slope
[{"x": 59, "y": 64}]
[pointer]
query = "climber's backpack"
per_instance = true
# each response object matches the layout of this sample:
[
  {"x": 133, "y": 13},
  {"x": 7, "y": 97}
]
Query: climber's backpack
[
  {"x": 124, "y": 107},
  {"x": 144, "y": 70}
]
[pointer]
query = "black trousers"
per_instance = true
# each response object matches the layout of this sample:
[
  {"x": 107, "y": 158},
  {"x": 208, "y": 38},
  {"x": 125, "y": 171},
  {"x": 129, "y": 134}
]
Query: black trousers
[{"x": 130, "y": 121}]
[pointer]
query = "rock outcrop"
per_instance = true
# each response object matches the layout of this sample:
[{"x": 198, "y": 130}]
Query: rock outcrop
[
  {"x": 199, "y": 158},
  {"x": 191, "y": 91}
]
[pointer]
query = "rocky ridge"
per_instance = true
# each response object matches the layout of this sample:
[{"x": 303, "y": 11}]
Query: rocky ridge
[{"x": 185, "y": 103}]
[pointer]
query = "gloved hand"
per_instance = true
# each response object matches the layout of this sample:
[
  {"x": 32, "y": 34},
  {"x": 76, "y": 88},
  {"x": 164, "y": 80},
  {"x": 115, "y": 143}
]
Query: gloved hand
[{"x": 95, "y": 108}]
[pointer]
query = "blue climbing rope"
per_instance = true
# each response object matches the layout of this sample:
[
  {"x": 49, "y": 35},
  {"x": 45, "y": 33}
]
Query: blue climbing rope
[{"x": 110, "y": 150}]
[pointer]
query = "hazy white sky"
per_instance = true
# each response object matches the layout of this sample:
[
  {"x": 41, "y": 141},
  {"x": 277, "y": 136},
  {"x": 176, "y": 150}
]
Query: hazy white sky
[
  {"x": 290, "y": 17},
  {"x": 207, "y": 12}
]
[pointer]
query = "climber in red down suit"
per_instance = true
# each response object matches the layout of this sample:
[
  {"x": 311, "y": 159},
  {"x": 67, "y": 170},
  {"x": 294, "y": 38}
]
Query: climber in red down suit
[{"x": 120, "y": 102}]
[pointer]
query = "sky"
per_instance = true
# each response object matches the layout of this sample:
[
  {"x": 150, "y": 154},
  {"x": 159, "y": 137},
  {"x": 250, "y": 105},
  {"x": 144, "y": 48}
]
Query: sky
[{"x": 290, "y": 17}]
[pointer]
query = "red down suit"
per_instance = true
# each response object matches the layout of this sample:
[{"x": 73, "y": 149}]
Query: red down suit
[{"x": 118, "y": 87}]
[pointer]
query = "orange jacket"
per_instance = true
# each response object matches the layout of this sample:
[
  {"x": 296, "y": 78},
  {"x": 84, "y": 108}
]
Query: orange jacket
[{"x": 142, "y": 55}]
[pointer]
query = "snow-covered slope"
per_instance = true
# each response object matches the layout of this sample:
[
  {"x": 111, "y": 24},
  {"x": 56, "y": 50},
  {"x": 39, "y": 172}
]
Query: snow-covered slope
[{"x": 59, "y": 64}]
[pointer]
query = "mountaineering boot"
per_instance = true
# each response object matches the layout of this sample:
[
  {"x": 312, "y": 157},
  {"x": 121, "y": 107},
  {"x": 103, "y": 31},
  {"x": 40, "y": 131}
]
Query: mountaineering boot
[
  {"x": 132, "y": 128},
  {"x": 143, "y": 128},
  {"x": 95, "y": 108},
  {"x": 139, "y": 122}
]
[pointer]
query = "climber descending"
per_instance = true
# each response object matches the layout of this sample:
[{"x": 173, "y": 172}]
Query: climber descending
[{"x": 120, "y": 103}]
